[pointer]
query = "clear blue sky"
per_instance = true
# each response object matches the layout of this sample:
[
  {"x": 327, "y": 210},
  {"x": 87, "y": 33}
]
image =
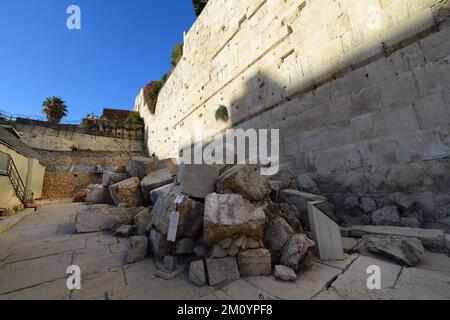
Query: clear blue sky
[{"x": 123, "y": 44}]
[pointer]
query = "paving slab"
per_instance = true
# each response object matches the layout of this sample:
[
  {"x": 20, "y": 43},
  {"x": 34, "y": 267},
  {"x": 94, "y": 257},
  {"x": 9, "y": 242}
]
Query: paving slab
[{"x": 10, "y": 222}]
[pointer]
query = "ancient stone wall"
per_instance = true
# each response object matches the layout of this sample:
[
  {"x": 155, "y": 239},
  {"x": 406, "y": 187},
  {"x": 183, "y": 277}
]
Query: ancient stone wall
[
  {"x": 360, "y": 90},
  {"x": 59, "y": 140},
  {"x": 60, "y": 185}
]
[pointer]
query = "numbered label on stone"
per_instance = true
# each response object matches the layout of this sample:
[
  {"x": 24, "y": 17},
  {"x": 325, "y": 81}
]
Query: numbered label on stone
[
  {"x": 179, "y": 199},
  {"x": 173, "y": 226}
]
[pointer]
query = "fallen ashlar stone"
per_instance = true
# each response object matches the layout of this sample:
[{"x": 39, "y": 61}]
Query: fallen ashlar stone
[
  {"x": 124, "y": 231},
  {"x": 157, "y": 243},
  {"x": 218, "y": 252},
  {"x": 227, "y": 215},
  {"x": 200, "y": 251},
  {"x": 138, "y": 251},
  {"x": 98, "y": 195},
  {"x": 298, "y": 252},
  {"x": 404, "y": 250},
  {"x": 387, "y": 216},
  {"x": 127, "y": 191},
  {"x": 161, "y": 191},
  {"x": 285, "y": 273},
  {"x": 245, "y": 180},
  {"x": 276, "y": 235},
  {"x": 170, "y": 164},
  {"x": 306, "y": 184},
  {"x": 296, "y": 221},
  {"x": 81, "y": 195},
  {"x": 94, "y": 219},
  {"x": 221, "y": 270},
  {"x": 300, "y": 201},
  {"x": 155, "y": 180},
  {"x": 197, "y": 273},
  {"x": 124, "y": 215},
  {"x": 110, "y": 178},
  {"x": 255, "y": 262},
  {"x": 326, "y": 234},
  {"x": 251, "y": 244},
  {"x": 140, "y": 167},
  {"x": 197, "y": 180},
  {"x": 185, "y": 246},
  {"x": 226, "y": 243},
  {"x": 405, "y": 202},
  {"x": 191, "y": 215},
  {"x": 142, "y": 220},
  {"x": 410, "y": 222},
  {"x": 432, "y": 239}
]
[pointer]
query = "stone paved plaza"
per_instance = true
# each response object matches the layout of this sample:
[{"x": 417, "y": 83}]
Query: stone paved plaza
[{"x": 35, "y": 254}]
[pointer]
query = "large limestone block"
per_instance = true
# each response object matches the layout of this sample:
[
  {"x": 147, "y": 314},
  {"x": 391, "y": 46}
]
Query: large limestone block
[
  {"x": 139, "y": 248},
  {"x": 227, "y": 215},
  {"x": 300, "y": 201},
  {"x": 245, "y": 180},
  {"x": 140, "y": 167},
  {"x": 197, "y": 273},
  {"x": 197, "y": 180},
  {"x": 285, "y": 273},
  {"x": 161, "y": 191},
  {"x": 98, "y": 195},
  {"x": 298, "y": 252},
  {"x": 124, "y": 215},
  {"x": 286, "y": 180},
  {"x": 407, "y": 251},
  {"x": 171, "y": 165},
  {"x": 277, "y": 233},
  {"x": 110, "y": 178},
  {"x": 191, "y": 215},
  {"x": 255, "y": 262},
  {"x": 94, "y": 219},
  {"x": 432, "y": 239},
  {"x": 127, "y": 191},
  {"x": 142, "y": 220},
  {"x": 221, "y": 270},
  {"x": 326, "y": 234},
  {"x": 387, "y": 216},
  {"x": 155, "y": 180},
  {"x": 306, "y": 184}
]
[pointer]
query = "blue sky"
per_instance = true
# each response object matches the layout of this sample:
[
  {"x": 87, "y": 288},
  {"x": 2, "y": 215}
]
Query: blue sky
[{"x": 123, "y": 44}]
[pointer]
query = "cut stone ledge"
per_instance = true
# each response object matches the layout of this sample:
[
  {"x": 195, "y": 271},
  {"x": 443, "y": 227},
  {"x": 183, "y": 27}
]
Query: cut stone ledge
[{"x": 432, "y": 239}]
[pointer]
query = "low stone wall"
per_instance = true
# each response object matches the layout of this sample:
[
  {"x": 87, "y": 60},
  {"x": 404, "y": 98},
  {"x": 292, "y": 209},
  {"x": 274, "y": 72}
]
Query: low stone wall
[
  {"x": 56, "y": 140},
  {"x": 58, "y": 185}
]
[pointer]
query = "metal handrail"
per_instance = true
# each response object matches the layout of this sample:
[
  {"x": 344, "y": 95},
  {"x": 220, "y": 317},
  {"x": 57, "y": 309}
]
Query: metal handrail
[{"x": 19, "y": 187}]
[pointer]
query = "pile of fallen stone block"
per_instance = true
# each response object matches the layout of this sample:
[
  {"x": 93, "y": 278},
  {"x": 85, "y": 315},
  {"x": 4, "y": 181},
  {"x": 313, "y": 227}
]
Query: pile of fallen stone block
[{"x": 224, "y": 222}]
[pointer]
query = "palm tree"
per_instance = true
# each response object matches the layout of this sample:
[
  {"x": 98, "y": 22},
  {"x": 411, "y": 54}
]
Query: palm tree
[{"x": 55, "y": 109}]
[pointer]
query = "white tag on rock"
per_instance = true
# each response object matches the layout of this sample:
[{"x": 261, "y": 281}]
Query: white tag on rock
[{"x": 173, "y": 226}]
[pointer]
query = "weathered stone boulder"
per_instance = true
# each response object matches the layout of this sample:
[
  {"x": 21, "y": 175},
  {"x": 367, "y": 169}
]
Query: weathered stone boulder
[
  {"x": 283, "y": 210},
  {"x": 406, "y": 251},
  {"x": 185, "y": 246},
  {"x": 306, "y": 184},
  {"x": 197, "y": 180},
  {"x": 170, "y": 164},
  {"x": 98, "y": 195},
  {"x": 298, "y": 252},
  {"x": 245, "y": 180},
  {"x": 368, "y": 205},
  {"x": 286, "y": 178},
  {"x": 157, "y": 243},
  {"x": 403, "y": 201},
  {"x": 158, "y": 192},
  {"x": 127, "y": 191},
  {"x": 218, "y": 252},
  {"x": 155, "y": 180},
  {"x": 191, "y": 215},
  {"x": 410, "y": 223},
  {"x": 94, "y": 219},
  {"x": 255, "y": 262},
  {"x": 110, "y": 178},
  {"x": 285, "y": 273},
  {"x": 140, "y": 167},
  {"x": 387, "y": 216},
  {"x": 81, "y": 195},
  {"x": 227, "y": 215},
  {"x": 142, "y": 220},
  {"x": 221, "y": 270},
  {"x": 124, "y": 216},
  {"x": 138, "y": 251},
  {"x": 124, "y": 231},
  {"x": 197, "y": 273},
  {"x": 277, "y": 233}
]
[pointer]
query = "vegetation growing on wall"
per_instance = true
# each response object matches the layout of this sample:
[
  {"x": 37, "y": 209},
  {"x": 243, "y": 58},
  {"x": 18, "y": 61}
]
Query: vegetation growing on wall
[
  {"x": 177, "y": 53},
  {"x": 222, "y": 114},
  {"x": 134, "y": 118},
  {"x": 55, "y": 109},
  {"x": 199, "y": 5}
]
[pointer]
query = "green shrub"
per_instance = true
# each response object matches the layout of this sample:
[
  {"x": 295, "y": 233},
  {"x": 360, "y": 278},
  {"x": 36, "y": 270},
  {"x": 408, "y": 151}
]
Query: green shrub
[
  {"x": 151, "y": 92},
  {"x": 74, "y": 148},
  {"x": 177, "y": 54},
  {"x": 199, "y": 5},
  {"x": 134, "y": 118},
  {"x": 222, "y": 114}
]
